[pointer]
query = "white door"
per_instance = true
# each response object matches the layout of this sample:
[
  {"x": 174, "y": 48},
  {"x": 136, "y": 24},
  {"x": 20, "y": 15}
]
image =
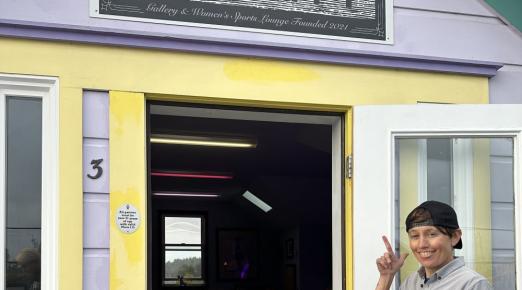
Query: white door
[{"x": 465, "y": 155}]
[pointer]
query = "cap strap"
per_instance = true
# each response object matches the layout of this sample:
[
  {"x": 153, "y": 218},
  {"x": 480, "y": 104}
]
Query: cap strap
[{"x": 428, "y": 222}]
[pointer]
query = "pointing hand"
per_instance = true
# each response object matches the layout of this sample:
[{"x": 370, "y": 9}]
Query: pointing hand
[{"x": 389, "y": 264}]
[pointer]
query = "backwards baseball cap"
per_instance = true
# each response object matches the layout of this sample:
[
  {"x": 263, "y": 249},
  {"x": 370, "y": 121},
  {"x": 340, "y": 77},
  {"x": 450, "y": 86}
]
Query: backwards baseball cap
[{"x": 433, "y": 213}]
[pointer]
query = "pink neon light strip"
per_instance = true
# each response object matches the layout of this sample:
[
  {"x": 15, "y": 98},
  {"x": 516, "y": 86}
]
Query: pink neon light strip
[
  {"x": 186, "y": 194},
  {"x": 191, "y": 175}
]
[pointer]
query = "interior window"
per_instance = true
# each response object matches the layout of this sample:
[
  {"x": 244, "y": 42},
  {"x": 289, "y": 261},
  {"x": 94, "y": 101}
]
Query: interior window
[
  {"x": 475, "y": 176},
  {"x": 183, "y": 249}
]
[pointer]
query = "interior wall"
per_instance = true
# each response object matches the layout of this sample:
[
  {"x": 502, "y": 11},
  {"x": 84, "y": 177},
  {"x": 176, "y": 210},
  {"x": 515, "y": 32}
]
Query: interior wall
[
  {"x": 315, "y": 263},
  {"x": 294, "y": 260},
  {"x": 313, "y": 257}
]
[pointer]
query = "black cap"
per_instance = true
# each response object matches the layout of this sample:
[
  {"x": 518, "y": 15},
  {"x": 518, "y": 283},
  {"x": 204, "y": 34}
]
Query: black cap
[{"x": 440, "y": 214}]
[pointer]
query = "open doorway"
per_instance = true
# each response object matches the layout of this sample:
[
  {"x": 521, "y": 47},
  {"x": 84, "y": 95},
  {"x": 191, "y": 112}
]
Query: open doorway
[{"x": 244, "y": 199}]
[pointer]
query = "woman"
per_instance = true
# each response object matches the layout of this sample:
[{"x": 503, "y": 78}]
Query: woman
[{"x": 433, "y": 232}]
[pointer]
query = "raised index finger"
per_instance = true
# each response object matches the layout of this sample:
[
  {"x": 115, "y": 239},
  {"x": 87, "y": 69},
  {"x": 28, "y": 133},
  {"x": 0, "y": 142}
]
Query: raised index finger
[{"x": 387, "y": 244}]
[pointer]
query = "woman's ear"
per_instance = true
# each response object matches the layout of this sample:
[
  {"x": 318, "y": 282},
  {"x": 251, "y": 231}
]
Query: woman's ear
[{"x": 455, "y": 238}]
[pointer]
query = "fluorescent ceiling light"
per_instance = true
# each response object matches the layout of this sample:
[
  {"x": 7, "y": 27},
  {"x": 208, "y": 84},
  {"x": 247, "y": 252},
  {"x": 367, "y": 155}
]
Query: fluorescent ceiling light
[
  {"x": 188, "y": 174},
  {"x": 186, "y": 194},
  {"x": 237, "y": 142},
  {"x": 257, "y": 201}
]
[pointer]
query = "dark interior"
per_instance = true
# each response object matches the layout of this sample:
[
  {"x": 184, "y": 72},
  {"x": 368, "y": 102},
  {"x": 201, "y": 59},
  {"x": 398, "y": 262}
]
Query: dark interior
[{"x": 290, "y": 169}]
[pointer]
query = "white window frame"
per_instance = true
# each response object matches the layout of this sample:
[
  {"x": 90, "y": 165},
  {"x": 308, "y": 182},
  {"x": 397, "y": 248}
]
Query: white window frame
[
  {"x": 45, "y": 88},
  {"x": 463, "y": 194},
  {"x": 375, "y": 130},
  {"x": 202, "y": 245}
]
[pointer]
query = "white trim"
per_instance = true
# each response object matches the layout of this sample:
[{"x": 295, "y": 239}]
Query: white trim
[
  {"x": 467, "y": 132},
  {"x": 517, "y": 187},
  {"x": 422, "y": 170},
  {"x": 463, "y": 195},
  {"x": 463, "y": 198},
  {"x": 45, "y": 88},
  {"x": 337, "y": 208},
  {"x": 231, "y": 114},
  {"x": 337, "y": 160},
  {"x": 2, "y": 187},
  {"x": 390, "y": 28}
]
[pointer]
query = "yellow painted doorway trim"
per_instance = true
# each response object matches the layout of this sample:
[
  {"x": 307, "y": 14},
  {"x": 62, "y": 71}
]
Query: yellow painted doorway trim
[{"x": 128, "y": 259}]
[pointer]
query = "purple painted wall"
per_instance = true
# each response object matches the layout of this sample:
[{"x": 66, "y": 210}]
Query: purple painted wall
[
  {"x": 506, "y": 86},
  {"x": 433, "y": 35},
  {"x": 96, "y": 192},
  {"x": 417, "y": 32}
]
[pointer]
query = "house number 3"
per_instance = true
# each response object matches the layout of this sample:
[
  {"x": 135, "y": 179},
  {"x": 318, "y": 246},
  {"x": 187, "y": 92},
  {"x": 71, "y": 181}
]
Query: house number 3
[{"x": 96, "y": 166}]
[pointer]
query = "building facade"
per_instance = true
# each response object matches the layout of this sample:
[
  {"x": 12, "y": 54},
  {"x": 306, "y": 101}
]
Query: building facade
[{"x": 329, "y": 141}]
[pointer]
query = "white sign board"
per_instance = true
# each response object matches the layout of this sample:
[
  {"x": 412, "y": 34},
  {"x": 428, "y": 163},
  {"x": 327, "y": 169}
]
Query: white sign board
[{"x": 127, "y": 218}]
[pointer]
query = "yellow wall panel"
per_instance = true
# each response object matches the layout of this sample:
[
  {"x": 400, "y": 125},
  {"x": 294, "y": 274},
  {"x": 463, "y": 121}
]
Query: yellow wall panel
[
  {"x": 233, "y": 78},
  {"x": 128, "y": 261},
  {"x": 482, "y": 216},
  {"x": 408, "y": 189},
  {"x": 71, "y": 191}
]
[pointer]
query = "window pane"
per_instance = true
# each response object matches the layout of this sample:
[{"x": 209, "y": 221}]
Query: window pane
[
  {"x": 182, "y": 263},
  {"x": 23, "y": 259},
  {"x": 24, "y": 162},
  {"x": 18, "y": 240},
  {"x": 475, "y": 176},
  {"x": 182, "y": 230},
  {"x": 23, "y": 192},
  {"x": 439, "y": 170},
  {"x": 502, "y": 214}
]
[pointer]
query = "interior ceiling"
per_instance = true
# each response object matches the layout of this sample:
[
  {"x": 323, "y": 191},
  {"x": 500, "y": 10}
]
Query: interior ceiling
[{"x": 286, "y": 153}]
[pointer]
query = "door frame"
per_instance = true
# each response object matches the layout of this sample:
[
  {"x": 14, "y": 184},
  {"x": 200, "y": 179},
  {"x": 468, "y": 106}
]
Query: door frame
[{"x": 339, "y": 192}]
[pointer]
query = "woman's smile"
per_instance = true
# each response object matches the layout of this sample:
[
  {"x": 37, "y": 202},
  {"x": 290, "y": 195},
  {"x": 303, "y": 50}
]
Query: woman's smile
[{"x": 432, "y": 248}]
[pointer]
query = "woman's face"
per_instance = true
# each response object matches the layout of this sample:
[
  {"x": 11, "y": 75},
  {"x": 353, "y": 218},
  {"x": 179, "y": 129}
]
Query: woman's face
[{"x": 431, "y": 247}]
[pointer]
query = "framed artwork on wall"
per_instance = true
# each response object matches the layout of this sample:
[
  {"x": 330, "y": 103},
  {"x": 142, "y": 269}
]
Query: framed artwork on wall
[{"x": 237, "y": 254}]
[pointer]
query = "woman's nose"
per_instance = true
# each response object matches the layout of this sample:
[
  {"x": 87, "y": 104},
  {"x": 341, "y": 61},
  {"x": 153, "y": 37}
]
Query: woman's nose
[{"x": 423, "y": 241}]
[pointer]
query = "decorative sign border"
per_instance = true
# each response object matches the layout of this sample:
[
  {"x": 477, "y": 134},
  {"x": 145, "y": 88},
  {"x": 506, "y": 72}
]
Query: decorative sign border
[{"x": 354, "y": 20}]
